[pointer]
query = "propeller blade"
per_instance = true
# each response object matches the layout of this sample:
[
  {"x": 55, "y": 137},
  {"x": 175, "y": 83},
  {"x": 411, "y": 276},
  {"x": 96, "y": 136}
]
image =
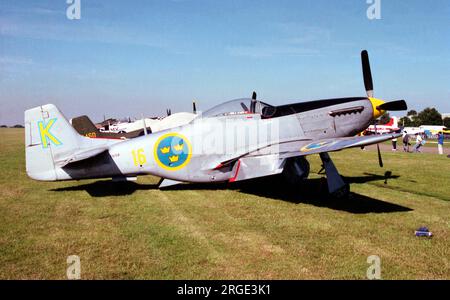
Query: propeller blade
[
  {"x": 367, "y": 74},
  {"x": 194, "y": 107},
  {"x": 253, "y": 104},
  {"x": 380, "y": 160},
  {"x": 393, "y": 105}
]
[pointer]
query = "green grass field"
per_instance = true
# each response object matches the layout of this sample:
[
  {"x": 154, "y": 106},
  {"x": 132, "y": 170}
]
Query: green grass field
[{"x": 252, "y": 230}]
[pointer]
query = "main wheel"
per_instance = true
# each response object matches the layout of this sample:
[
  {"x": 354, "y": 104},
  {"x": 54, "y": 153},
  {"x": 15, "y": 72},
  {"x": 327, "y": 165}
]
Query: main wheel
[{"x": 296, "y": 170}]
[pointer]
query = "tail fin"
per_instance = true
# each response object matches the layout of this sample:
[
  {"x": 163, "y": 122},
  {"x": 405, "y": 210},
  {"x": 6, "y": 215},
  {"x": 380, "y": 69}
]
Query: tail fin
[
  {"x": 395, "y": 122},
  {"x": 84, "y": 126},
  {"x": 51, "y": 143},
  {"x": 390, "y": 123}
]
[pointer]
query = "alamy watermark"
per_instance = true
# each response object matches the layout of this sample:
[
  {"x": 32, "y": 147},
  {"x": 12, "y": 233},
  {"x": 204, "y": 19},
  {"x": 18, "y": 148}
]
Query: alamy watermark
[
  {"x": 374, "y": 10},
  {"x": 374, "y": 270},
  {"x": 73, "y": 11},
  {"x": 74, "y": 267}
]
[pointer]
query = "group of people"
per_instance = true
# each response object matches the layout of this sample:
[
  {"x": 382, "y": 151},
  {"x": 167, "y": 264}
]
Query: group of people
[{"x": 419, "y": 142}]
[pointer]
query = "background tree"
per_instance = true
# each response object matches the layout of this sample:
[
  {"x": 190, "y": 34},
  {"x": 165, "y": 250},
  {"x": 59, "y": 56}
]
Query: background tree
[
  {"x": 412, "y": 112},
  {"x": 447, "y": 122},
  {"x": 405, "y": 122},
  {"x": 415, "y": 120},
  {"x": 410, "y": 120},
  {"x": 430, "y": 116}
]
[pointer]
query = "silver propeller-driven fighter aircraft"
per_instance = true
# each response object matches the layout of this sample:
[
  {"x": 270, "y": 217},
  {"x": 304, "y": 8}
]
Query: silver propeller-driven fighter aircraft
[{"x": 237, "y": 140}]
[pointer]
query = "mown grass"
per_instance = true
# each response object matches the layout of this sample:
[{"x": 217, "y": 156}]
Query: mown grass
[{"x": 252, "y": 230}]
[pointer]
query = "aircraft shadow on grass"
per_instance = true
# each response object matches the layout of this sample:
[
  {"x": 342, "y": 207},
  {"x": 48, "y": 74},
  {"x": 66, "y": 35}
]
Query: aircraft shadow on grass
[{"x": 313, "y": 192}]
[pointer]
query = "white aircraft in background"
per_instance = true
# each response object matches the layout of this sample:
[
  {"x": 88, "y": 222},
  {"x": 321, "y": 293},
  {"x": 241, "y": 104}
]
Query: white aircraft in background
[
  {"x": 413, "y": 130},
  {"x": 174, "y": 120},
  {"x": 155, "y": 124}
]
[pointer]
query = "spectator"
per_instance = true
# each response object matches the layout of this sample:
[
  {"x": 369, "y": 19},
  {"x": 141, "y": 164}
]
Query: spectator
[
  {"x": 405, "y": 140},
  {"x": 441, "y": 143},
  {"x": 394, "y": 144},
  {"x": 418, "y": 144}
]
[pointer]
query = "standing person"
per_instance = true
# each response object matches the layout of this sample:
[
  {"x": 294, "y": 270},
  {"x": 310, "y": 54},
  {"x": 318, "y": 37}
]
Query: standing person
[
  {"x": 394, "y": 144},
  {"x": 405, "y": 140},
  {"x": 418, "y": 144},
  {"x": 441, "y": 143}
]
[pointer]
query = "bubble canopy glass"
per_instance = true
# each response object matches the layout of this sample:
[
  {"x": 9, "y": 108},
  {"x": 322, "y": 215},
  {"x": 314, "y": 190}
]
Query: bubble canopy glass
[{"x": 238, "y": 107}]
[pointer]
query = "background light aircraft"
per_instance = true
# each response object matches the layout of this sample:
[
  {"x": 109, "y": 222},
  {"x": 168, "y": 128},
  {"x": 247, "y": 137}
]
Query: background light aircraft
[
  {"x": 84, "y": 126},
  {"x": 433, "y": 130},
  {"x": 276, "y": 140},
  {"x": 155, "y": 124},
  {"x": 413, "y": 130},
  {"x": 391, "y": 126}
]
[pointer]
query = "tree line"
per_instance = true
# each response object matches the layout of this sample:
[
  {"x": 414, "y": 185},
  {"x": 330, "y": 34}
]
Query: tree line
[
  {"x": 428, "y": 116},
  {"x": 15, "y": 126}
]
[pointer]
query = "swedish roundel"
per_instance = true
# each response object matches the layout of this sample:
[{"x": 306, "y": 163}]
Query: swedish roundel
[
  {"x": 172, "y": 151},
  {"x": 315, "y": 146}
]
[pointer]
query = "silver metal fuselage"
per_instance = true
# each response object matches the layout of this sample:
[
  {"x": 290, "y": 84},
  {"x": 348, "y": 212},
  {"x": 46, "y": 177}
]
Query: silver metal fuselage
[{"x": 210, "y": 136}]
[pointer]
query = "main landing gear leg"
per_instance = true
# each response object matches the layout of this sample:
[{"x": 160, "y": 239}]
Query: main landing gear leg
[{"x": 336, "y": 185}]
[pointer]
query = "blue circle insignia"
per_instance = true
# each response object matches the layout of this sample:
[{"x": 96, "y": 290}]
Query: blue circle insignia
[
  {"x": 172, "y": 152},
  {"x": 315, "y": 146}
]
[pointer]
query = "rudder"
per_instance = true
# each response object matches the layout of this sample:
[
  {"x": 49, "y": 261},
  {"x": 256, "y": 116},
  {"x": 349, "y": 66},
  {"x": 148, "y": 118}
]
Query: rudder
[
  {"x": 48, "y": 138},
  {"x": 84, "y": 126}
]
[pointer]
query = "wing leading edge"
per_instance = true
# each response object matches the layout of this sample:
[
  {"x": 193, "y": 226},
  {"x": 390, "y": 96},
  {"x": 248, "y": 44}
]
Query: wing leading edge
[
  {"x": 302, "y": 148},
  {"x": 270, "y": 160}
]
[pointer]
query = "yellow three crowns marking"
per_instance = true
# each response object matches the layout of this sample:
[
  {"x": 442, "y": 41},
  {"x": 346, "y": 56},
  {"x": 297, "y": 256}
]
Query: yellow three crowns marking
[
  {"x": 165, "y": 150},
  {"x": 178, "y": 147},
  {"x": 45, "y": 133},
  {"x": 173, "y": 158}
]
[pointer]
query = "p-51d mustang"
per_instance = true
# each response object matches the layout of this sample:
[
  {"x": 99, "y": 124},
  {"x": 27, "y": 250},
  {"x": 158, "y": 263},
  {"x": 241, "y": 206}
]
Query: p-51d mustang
[{"x": 237, "y": 140}]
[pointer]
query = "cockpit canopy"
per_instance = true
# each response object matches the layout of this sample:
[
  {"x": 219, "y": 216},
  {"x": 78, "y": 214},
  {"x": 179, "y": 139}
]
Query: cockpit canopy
[{"x": 239, "y": 107}]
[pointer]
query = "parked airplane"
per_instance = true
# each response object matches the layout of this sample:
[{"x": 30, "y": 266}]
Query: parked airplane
[
  {"x": 413, "y": 130},
  {"x": 84, "y": 126},
  {"x": 391, "y": 126},
  {"x": 156, "y": 124},
  {"x": 433, "y": 130},
  {"x": 234, "y": 141},
  {"x": 124, "y": 127}
]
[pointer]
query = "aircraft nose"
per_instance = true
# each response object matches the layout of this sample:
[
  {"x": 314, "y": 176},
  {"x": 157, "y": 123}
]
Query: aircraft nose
[{"x": 375, "y": 104}]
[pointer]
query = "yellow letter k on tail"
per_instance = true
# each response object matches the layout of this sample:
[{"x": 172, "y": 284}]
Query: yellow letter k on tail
[{"x": 46, "y": 136}]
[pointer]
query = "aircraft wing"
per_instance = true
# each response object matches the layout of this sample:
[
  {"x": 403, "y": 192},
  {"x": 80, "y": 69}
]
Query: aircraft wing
[
  {"x": 302, "y": 148},
  {"x": 306, "y": 147},
  {"x": 270, "y": 160}
]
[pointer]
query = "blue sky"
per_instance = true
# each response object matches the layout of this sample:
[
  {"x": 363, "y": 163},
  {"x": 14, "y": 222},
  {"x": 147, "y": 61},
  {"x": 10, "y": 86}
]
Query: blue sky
[{"x": 127, "y": 58}]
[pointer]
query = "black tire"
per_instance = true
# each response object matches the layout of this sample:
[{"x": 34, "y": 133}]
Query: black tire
[{"x": 291, "y": 171}]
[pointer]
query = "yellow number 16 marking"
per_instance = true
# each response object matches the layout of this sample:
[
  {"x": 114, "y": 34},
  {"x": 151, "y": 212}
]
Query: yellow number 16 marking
[{"x": 139, "y": 158}]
